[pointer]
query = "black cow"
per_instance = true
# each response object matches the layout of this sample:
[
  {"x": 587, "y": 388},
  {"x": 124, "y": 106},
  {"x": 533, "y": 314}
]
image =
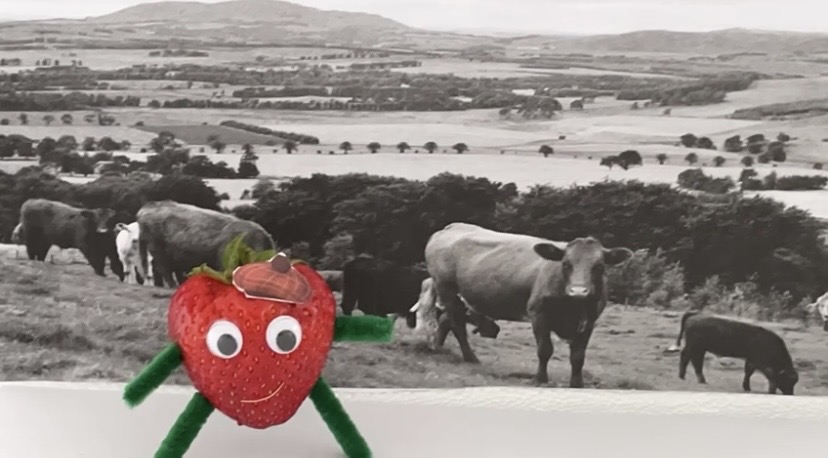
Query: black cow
[
  {"x": 762, "y": 349},
  {"x": 379, "y": 287},
  {"x": 44, "y": 223}
]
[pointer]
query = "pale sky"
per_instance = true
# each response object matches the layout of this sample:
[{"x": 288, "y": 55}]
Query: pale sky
[{"x": 526, "y": 16}]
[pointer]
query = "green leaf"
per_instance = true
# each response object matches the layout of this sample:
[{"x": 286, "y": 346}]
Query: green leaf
[
  {"x": 264, "y": 256},
  {"x": 232, "y": 258},
  {"x": 204, "y": 269}
]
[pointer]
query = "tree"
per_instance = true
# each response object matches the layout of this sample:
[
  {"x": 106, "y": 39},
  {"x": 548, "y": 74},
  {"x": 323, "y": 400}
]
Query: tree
[
  {"x": 460, "y": 148},
  {"x": 154, "y": 104},
  {"x": 83, "y": 167},
  {"x": 576, "y": 105},
  {"x": 262, "y": 188},
  {"x": 67, "y": 142},
  {"x": 403, "y": 146},
  {"x": 162, "y": 141},
  {"x": 66, "y": 118},
  {"x": 818, "y": 166},
  {"x": 4, "y": 122},
  {"x": 290, "y": 146},
  {"x": 776, "y": 150},
  {"x": 756, "y": 148},
  {"x": 546, "y": 150},
  {"x": 734, "y": 144},
  {"x": 764, "y": 158},
  {"x": 108, "y": 144},
  {"x": 705, "y": 143},
  {"x": 89, "y": 144},
  {"x": 661, "y": 158},
  {"x": 48, "y": 119},
  {"x": 6, "y": 149},
  {"x": 691, "y": 158},
  {"x": 373, "y": 147},
  {"x": 719, "y": 161},
  {"x": 90, "y": 118},
  {"x": 430, "y": 147},
  {"x": 689, "y": 140},
  {"x": 247, "y": 153},
  {"x": 24, "y": 149},
  {"x": 346, "y": 146},
  {"x": 248, "y": 169},
  {"x": 609, "y": 161},
  {"x": 24, "y": 118},
  {"x": 756, "y": 138},
  {"x": 629, "y": 158},
  {"x": 783, "y": 137}
]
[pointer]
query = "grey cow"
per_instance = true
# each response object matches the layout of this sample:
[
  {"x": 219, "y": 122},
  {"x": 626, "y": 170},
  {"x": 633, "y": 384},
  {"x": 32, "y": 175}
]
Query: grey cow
[
  {"x": 559, "y": 287},
  {"x": 180, "y": 237}
]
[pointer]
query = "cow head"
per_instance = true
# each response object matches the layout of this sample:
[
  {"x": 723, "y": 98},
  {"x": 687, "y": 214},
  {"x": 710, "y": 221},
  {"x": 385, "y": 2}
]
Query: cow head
[
  {"x": 583, "y": 275},
  {"x": 786, "y": 379},
  {"x": 99, "y": 219},
  {"x": 821, "y": 308},
  {"x": 583, "y": 264}
]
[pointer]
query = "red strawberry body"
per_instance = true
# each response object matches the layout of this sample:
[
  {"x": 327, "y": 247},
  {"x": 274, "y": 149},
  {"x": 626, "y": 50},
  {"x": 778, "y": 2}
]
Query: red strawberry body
[{"x": 255, "y": 360}]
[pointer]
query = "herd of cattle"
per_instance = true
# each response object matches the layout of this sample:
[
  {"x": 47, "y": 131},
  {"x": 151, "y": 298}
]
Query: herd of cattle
[{"x": 471, "y": 275}]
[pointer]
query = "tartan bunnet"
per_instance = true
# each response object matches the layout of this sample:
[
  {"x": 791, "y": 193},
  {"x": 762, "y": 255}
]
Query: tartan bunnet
[{"x": 261, "y": 280}]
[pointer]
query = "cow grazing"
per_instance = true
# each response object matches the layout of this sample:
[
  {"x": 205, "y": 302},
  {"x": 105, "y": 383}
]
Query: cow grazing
[
  {"x": 127, "y": 242},
  {"x": 820, "y": 306},
  {"x": 333, "y": 278},
  {"x": 559, "y": 287},
  {"x": 379, "y": 287},
  {"x": 762, "y": 349},
  {"x": 18, "y": 237},
  {"x": 46, "y": 223},
  {"x": 181, "y": 237},
  {"x": 434, "y": 323}
]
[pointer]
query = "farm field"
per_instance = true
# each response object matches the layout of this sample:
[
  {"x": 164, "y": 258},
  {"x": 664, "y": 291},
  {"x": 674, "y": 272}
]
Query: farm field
[
  {"x": 467, "y": 69},
  {"x": 199, "y": 135},
  {"x": 64, "y": 323}
]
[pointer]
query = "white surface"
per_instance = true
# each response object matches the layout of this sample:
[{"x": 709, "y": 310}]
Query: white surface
[{"x": 66, "y": 420}]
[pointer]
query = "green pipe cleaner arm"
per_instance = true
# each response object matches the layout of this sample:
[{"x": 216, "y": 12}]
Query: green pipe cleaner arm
[
  {"x": 186, "y": 428},
  {"x": 363, "y": 329},
  {"x": 153, "y": 375},
  {"x": 338, "y": 421}
]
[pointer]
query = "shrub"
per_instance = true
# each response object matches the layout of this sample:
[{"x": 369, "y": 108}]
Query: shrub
[
  {"x": 697, "y": 180},
  {"x": 646, "y": 280}
]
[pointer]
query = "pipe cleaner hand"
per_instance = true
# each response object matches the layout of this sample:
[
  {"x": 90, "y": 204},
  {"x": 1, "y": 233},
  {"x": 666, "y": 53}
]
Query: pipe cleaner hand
[{"x": 254, "y": 340}]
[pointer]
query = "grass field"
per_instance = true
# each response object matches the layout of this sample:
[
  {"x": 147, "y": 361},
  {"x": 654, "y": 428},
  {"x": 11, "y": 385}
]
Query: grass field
[
  {"x": 61, "y": 322},
  {"x": 199, "y": 135}
]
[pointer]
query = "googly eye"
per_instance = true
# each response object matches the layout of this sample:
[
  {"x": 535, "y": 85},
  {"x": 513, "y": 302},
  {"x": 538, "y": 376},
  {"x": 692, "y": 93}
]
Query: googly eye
[
  {"x": 283, "y": 334},
  {"x": 224, "y": 339}
]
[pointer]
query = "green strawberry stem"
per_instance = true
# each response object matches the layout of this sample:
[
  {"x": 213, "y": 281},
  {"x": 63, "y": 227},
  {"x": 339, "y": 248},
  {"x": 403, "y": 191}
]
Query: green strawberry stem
[
  {"x": 338, "y": 421},
  {"x": 186, "y": 428},
  {"x": 363, "y": 329},
  {"x": 235, "y": 254},
  {"x": 153, "y": 375}
]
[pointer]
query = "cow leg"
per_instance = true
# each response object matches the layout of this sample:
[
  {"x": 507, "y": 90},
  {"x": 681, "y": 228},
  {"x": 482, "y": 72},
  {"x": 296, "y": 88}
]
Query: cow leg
[
  {"x": 697, "y": 359},
  {"x": 443, "y": 329},
  {"x": 543, "y": 340},
  {"x": 456, "y": 312},
  {"x": 577, "y": 357},
  {"x": 31, "y": 250},
  {"x": 749, "y": 368},
  {"x": 768, "y": 373},
  {"x": 684, "y": 360},
  {"x": 129, "y": 271}
]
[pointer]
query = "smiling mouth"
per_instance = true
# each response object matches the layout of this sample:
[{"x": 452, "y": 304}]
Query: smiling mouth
[{"x": 274, "y": 393}]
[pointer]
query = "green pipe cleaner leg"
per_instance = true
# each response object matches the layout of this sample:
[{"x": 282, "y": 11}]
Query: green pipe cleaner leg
[
  {"x": 186, "y": 428},
  {"x": 338, "y": 421},
  {"x": 153, "y": 375}
]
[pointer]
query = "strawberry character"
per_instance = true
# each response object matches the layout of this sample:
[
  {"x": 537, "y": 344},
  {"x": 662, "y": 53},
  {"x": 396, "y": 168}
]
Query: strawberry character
[{"x": 254, "y": 340}]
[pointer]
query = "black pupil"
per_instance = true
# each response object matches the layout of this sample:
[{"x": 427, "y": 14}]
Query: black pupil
[
  {"x": 286, "y": 340},
  {"x": 227, "y": 345}
]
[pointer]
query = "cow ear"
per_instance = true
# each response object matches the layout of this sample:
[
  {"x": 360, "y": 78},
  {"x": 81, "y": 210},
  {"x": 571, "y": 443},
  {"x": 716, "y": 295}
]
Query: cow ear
[
  {"x": 550, "y": 251},
  {"x": 89, "y": 215},
  {"x": 617, "y": 256}
]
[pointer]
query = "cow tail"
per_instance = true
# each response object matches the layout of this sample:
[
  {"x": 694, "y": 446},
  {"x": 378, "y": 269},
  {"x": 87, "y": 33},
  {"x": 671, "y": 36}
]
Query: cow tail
[{"x": 684, "y": 325}]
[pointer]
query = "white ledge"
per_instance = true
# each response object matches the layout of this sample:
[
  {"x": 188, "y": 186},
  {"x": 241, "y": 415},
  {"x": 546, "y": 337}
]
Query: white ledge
[{"x": 57, "y": 419}]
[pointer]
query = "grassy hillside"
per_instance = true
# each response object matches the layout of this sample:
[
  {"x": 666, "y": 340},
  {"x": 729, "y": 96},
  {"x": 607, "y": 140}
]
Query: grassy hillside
[{"x": 60, "y": 322}]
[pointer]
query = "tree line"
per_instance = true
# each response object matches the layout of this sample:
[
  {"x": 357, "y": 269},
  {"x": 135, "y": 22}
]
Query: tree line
[{"x": 326, "y": 219}]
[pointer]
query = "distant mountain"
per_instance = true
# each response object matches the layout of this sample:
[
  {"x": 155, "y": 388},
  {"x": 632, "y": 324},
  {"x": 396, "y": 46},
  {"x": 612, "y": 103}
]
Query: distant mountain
[
  {"x": 716, "y": 42},
  {"x": 245, "y": 11}
]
